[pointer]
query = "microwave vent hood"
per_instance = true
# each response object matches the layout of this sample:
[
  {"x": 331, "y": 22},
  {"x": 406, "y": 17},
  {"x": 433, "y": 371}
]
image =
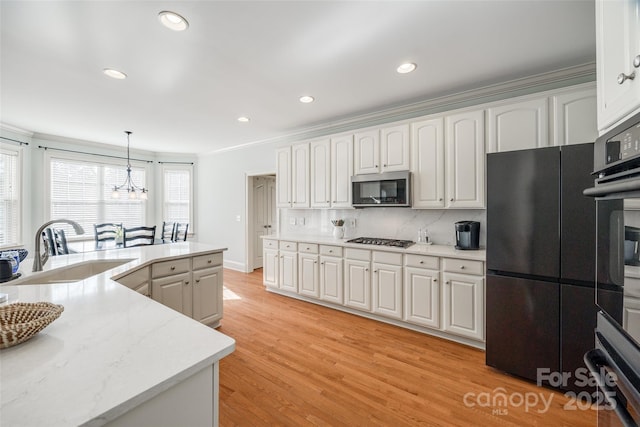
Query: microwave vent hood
[{"x": 390, "y": 189}]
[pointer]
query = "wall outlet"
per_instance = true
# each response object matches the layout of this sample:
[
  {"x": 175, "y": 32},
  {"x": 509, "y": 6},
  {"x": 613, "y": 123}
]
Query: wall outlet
[
  {"x": 292, "y": 221},
  {"x": 238, "y": 218},
  {"x": 351, "y": 222},
  {"x": 301, "y": 221}
]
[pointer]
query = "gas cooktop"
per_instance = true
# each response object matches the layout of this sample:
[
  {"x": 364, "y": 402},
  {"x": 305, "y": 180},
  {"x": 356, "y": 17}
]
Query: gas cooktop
[{"x": 382, "y": 242}]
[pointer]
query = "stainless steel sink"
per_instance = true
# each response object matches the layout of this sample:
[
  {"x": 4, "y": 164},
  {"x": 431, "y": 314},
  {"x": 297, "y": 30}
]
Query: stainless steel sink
[{"x": 73, "y": 273}]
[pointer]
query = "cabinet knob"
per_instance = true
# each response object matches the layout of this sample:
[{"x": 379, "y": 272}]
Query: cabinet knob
[
  {"x": 622, "y": 77},
  {"x": 173, "y": 267},
  {"x": 435, "y": 280},
  {"x": 440, "y": 199},
  {"x": 186, "y": 282},
  {"x": 315, "y": 262},
  {"x": 366, "y": 269},
  {"x": 322, "y": 263},
  {"x": 375, "y": 271},
  {"x": 451, "y": 199},
  {"x": 447, "y": 282},
  {"x": 376, "y": 166},
  {"x": 209, "y": 261},
  {"x": 330, "y": 251},
  {"x": 384, "y": 166},
  {"x": 636, "y": 61},
  {"x": 197, "y": 280},
  {"x": 462, "y": 267},
  {"x": 421, "y": 262}
]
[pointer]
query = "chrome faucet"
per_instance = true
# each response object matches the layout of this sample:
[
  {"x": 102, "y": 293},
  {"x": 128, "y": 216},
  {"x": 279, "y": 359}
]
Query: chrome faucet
[{"x": 40, "y": 260}]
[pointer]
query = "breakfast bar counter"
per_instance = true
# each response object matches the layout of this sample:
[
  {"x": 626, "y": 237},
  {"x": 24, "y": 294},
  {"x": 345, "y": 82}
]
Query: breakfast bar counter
[{"x": 114, "y": 356}]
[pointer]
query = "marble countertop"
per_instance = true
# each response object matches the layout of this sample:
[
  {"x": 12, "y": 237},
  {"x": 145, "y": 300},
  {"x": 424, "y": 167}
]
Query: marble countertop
[
  {"x": 110, "y": 350},
  {"x": 419, "y": 249}
]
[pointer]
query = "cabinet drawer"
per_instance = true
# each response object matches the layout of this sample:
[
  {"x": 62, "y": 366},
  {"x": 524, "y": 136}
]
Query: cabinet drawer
[
  {"x": 358, "y": 254},
  {"x": 308, "y": 248},
  {"x": 169, "y": 268},
  {"x": 208, "y": 260},
  {"x": 465, "y": 266},
  {"x": 136, "y": 278},
  {"x": 388, "y": 258},
  {"x": 632, "y": 287},
  {"x": 288, "y": 246},
  {"x": 422, "y": 261},
  {"x": 270, "y": 244},
  {"x": 330, "y": 250}
]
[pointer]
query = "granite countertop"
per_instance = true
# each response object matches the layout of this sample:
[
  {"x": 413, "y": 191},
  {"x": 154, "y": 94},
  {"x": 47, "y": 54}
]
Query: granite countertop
[
  {"x": 110, "y": 350},
  {"x": 418, "y": 249}
]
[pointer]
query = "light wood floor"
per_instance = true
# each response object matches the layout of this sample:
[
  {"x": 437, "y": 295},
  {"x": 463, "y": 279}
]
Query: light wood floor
[{"x": 300, "y": 364}]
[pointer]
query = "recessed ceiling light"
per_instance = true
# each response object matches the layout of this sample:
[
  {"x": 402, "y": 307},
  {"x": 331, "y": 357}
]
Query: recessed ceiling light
[
  {"x": 173, "y": 21},
  {"x": 114, "y": 74},
  {"x": 307, "y": 99},
  {"x": 243, "y": 119},
  {"x": 407, "y": 67}
]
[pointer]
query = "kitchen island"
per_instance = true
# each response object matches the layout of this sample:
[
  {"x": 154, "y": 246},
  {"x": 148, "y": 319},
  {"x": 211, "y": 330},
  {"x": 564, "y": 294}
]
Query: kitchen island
[{"x": 114, "y": 357}]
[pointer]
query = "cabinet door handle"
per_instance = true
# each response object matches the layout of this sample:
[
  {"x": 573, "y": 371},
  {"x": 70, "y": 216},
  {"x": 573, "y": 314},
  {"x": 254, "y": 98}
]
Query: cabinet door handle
[
  {"x": 622, "y": 77},
  {"x": 636, "y": 61}
]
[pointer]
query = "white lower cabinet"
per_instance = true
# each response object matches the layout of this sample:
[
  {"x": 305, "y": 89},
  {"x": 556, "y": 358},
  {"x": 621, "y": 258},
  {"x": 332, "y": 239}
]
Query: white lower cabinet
[
  {"x": 387, "y": 284},
  {"x": 357, "y": 279},
  {"x": 428, "y": 291},
  {"x": 192, "y": 286},
  {"x": 308, "y": 275},
  {"x": 422, "y": 290},
  {"x": 271, "y": 261},
  {"x": 331, "y": 273},
  {"x": 463, "y": 305},
  {"x": 288, "y": 266},
  {"x": 139, "y": 280}
]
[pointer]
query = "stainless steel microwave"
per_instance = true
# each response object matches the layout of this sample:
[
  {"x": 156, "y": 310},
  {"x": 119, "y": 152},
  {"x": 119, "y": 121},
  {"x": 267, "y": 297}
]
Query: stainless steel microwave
[{"x": 381, "y": 189}]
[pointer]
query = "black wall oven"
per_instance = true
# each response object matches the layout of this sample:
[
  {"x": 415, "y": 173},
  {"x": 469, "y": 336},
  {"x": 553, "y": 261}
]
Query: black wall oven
[{"x": 615, "y": 360}]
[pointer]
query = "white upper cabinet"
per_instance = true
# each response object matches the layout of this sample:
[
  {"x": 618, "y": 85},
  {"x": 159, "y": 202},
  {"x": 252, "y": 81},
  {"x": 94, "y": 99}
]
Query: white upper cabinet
[
  {"x": 367, "y": 152},
  {"x": 382, "y": 150},
  {"x": 427, "y": 163},
  {"x": 320, "y": 173},
  {"x": 618, "y": 60},
  {"x": 394, "y": 148},
  {"x": 465, "y": 159},
  {"x": 574, "y": 117},
  {"x": 300, "y": 176},
  {"x": 341, "y": 171},
  {"x": 518, "y": 126},
  {"x": 283, "y": 175}
]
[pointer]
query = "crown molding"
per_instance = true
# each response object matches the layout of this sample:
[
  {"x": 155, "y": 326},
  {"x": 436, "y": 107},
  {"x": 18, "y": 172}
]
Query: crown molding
[{"x": 523, "y": 86}]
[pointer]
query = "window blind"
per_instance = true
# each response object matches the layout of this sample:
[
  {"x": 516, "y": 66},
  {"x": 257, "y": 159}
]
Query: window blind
[
  {"x": 177, "y": 194},
  {"x": 9, "y": 198},
  {"x": 81, "y": 190}
]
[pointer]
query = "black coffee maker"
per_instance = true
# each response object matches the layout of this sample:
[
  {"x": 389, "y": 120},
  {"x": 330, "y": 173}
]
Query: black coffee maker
[{"x": 467, "y": 235}]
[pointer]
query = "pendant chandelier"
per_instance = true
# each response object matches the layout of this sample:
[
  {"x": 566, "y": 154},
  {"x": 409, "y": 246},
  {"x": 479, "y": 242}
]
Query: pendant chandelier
[{"x": 132, "y": 189}]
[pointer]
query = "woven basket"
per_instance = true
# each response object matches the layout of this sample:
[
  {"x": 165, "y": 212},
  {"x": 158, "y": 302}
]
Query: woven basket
[{"x": 22, "y": 320}]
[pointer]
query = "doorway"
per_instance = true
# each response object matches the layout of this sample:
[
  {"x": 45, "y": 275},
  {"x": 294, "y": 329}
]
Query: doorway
[{"x": 261, "y": 218}]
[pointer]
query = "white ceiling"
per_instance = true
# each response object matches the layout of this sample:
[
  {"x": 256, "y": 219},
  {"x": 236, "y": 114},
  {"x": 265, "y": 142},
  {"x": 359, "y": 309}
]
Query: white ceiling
[{"x": 185, "y": 90}]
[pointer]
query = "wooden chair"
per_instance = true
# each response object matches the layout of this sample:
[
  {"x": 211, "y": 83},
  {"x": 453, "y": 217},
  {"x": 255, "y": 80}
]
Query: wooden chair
[
  {"x": 105, "y": 232},
  {"x": 49, "y": 243},
  {"x": 180, "y": 233},
  {"x": 139, "y": 236},
  {"x": 168, "y": 231},
  {"x": 60, "y": 242}
]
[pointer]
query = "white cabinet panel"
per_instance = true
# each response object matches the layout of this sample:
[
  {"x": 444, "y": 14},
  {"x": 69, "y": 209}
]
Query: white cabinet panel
[
  {"x": 331, "y": 272},
  {"x": 283, "y": 177},
  {"x": 631, "y": 316},
  {"x": 207, "y": 294},
  {"x": 341, "y": 171},
  {"x": 518, "y": 126},
  {"x": 288, "y": 271},
  {"x": 617, "y": 47},
  {"x": 574, "y": 117},
  {"x": 387, "y": 290},
  {"x": 270, "y": 269},
  {"x": 422, "y": 297},
  {"x": 367, "y": 152},
  {"x": 308, "y": 275},
  {"x": 465, "y": 159},
  {"x": 463, "y": 305},
  {"x": 300, "y": 176},
  {"x": 428, "y": 166},
  {"x": 357, "y": 284},
  {"x": 394, "y": 148},
  {"x": 320, "y": 174}
]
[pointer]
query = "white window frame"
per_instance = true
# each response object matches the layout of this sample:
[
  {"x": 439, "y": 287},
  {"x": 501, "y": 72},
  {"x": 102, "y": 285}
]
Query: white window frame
[
  {"x": 178, "y": 166},
  {"x": 18, "y": 152},
  {"x": 95, "y": 158}
]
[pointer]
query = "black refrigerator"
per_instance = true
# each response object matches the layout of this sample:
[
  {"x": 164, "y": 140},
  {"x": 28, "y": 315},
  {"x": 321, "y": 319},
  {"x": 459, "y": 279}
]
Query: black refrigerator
[{"x": 540, "y": 308}]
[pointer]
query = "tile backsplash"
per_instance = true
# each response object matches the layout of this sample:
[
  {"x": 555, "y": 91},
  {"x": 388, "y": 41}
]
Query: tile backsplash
[{"x": 391, "y": 223}]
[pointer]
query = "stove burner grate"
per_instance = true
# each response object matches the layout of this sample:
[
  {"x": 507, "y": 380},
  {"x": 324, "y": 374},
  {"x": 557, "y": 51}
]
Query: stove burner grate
[{"x": 382, "y": 242}]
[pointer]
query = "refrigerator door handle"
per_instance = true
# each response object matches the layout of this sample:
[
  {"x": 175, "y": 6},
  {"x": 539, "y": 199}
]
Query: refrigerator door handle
[{"x": 595, "y": 360}]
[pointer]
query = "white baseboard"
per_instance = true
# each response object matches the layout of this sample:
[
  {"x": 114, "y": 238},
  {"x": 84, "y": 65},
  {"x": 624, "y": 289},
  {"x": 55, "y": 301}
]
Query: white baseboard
[{"x": 233, "y": 265}]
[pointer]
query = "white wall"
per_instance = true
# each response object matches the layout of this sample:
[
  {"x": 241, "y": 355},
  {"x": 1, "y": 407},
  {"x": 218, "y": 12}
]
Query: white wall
[{"x": 221, "y": 197}]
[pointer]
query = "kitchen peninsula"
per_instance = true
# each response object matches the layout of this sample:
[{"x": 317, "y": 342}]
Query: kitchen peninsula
[{"x": 114, "y": 357}]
